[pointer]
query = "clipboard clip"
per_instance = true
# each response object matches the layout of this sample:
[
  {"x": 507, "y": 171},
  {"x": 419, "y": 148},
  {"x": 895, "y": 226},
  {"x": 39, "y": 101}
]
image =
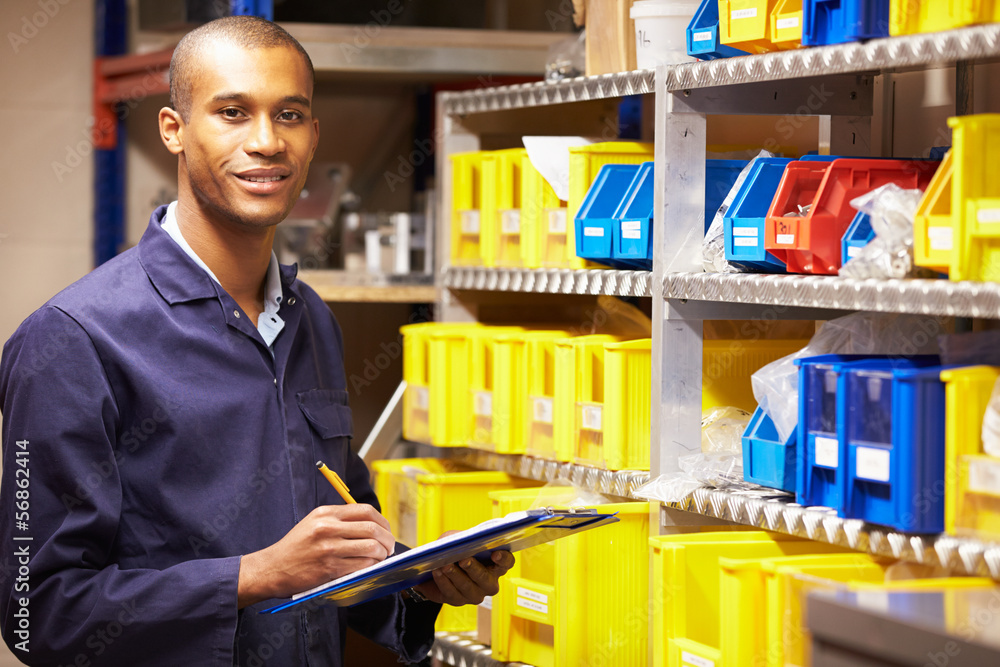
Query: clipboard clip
[{"x": 552, "y": 511}]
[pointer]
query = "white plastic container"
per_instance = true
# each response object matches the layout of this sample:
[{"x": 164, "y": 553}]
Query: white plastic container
[{"x": 661, "y": 31}]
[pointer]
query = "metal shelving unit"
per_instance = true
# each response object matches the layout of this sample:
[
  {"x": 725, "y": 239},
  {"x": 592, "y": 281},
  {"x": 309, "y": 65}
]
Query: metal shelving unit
[
  {"x": 464, "y": 651},
  {"x": 683, "y": 296},
  {"x": 550, "y": 281}
]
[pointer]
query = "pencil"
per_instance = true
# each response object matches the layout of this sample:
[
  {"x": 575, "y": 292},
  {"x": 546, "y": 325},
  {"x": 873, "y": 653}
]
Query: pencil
[{"x": 338, "y": 484}]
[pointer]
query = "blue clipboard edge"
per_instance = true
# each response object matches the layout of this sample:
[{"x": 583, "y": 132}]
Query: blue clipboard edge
[{"x": 538, "y": 527}]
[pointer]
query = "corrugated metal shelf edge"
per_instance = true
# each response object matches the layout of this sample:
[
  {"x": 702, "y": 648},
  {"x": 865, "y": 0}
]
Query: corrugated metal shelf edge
[
  {"x": 463, "y": 651},
  {"x": 622, "y": 483},
  {"x": 579, "y": 89},
  {"x": 550, "y": 281},
  {"x": 890, "y": 54},
  {"x": 922, "y": 297},
  {"x": 763, "y": 510}
]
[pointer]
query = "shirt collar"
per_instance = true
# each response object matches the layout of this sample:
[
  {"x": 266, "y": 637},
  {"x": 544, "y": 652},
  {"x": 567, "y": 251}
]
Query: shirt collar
[{"x": 181, "y": 276}]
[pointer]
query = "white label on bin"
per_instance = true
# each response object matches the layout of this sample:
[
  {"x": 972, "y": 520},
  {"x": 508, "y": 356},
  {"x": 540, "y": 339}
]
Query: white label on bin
[
  {"x": 745, "y": 231},
  {"x": 827, "y": 452},
  {"x": 984, "y": 476},
  {"x": 484, "y": 403},
  {"x": 691, "y": 660},
  {"x": 591, "y": 417},
  {"x": 532, "y": 595},
  {"x": 532, "y": 605},
  {"x": 852, "y": 251},
  {"x": 510, "y": 221},
  {"x": 872, "y": 463},
  {"x": 557, "y": 221},
  {"x": 487, "y": 603},
  {"x": 744, "y": 241},
  {"x": 541, "y": 409},
  {"x": 703, "y": 36},
  {"x": 631, "y": 229},
  {"x": 750, "y": 13},
  {"x": 940, "y": 238},
  {"x": 422, "y": 397},
  {"x": 786, "y": 239},
  {"x": 830, "y": 382},
  {"x": 593, "y": 231},
  {"x": 788, "y": 23},
  {"x": 470, "y": 222},
  {"x": 988, "y": 215}
]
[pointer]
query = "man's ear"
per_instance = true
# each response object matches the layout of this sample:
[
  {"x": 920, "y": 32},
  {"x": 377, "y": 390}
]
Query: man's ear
[
  {"x": 315, "y": 138},
  {"x": 172, "y": 130}
]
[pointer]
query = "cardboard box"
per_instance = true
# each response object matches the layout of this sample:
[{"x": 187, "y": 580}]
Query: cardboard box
[{"x": 610, "y": 37}]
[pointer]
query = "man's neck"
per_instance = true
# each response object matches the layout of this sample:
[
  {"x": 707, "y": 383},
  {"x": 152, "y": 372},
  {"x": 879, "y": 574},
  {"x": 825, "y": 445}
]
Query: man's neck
[{"x": 238, "y": 257}]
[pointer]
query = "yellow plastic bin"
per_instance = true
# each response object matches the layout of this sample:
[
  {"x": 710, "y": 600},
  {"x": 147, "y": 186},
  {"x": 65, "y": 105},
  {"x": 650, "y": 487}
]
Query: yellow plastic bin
[
  {"x": 612, "y": 418},
  {"x": 482, "y": 376},
  {"x": 907, "y": 17},
  {"x": 450, "y": 347},
  {"x": 759, "y": 26},
  {"x": 756, "y": 619},
  {"x": 543, "y": 221},
  {"x": 569, "y": 601},
  {"x": 456, "y": 501},
  {"x": 512, "y": 375},
  {"x": 933, "y": 237},
  {"x": 502, "y": 206},
  {"x": 572, "y": 358},
  {"x": 416, "y": 373},
  {"x": 584, "y": 163},
  {"x": 467, "y": 229},
  {"x": 728, "y": 364},
  {"x": 975, "y": 196},
  {"x": 539, "y": 412},
  {"x": 686, "y": 591},
  {"x": 972, "y": 477},
  {"x": 399, "y": 504}
]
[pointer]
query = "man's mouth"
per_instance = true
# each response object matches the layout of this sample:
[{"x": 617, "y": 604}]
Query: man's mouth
[{"x": 262, "y": 179}]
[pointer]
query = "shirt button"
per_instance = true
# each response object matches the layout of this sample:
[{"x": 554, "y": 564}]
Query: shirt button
[
  {"x": 237, "y": 314},
  {"x": 275, "y": 382},
  {"x": 291, "y": 302}
]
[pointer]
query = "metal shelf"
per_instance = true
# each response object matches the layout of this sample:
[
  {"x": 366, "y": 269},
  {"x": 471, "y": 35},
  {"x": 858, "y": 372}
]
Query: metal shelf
[
  {"x": 615, "y": 483},
  {"x": 462, "y": 650},
  {"x": 922, "y": 297},
  {"x": 888, "y": 54},
  {"x": 580, "y": 89},
  {"x": 763, "y": 510},
  {"x": 550, "y": 281}
]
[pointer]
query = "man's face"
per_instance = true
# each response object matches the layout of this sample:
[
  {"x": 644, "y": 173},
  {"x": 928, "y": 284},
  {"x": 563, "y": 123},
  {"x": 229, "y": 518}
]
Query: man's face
[{"x": 251, "y": 135}]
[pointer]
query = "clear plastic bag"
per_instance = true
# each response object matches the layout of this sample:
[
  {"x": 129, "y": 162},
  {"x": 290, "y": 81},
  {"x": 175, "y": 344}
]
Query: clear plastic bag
[
  {"x": 722, "y": 430},
  {"x": 890, "y": 253},
  {"x": 776, "y": 385},
  {"x": 713, "y": 249},
  {"x": 991, "y": 423},
  {"x": 566, "y": 58}
]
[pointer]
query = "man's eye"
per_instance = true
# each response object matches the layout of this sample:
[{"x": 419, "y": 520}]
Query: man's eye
[
  {"x": 289, "y": 115},
  {"x": 231, "y": 113}
]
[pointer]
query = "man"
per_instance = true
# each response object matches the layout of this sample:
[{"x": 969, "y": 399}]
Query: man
[{"x": 162, "y": 416}]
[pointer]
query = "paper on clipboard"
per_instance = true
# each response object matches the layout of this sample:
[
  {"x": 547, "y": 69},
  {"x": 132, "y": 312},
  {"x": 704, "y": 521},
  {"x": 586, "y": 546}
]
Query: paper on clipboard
[{"x": 516, "y": 531}]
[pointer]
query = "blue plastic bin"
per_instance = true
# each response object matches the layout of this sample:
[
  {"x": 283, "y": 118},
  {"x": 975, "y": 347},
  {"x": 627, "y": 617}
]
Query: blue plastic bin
[
  {"x": 595, "y": 220},
  {"x": 703, "y": 34},
  {"x": 820, "y": 475},
  {"x": 744, "y": 221},
  {"x": 857, "y": 236},
  {"x": 839, "y": 21},
  {"x": 720, "y": 176},
  {"x": 633, "y": 227},
  {"x": 894, "y": 433},
  {"x": 766, "y": 460}
]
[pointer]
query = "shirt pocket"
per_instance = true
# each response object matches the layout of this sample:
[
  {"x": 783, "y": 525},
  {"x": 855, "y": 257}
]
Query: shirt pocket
[{"x": 327, "y": 412}]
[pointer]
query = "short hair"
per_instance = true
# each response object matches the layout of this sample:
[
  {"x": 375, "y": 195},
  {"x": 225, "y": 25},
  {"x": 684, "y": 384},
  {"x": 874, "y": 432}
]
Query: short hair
[{"x": 249, "y": 32}]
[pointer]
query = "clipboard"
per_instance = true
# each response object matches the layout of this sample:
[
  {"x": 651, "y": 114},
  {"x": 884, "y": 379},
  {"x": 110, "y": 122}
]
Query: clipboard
[{"x": 516, "y": 531}]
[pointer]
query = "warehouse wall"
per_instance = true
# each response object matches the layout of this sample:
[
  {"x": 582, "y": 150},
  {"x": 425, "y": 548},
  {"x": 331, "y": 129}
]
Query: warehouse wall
[{"x": 46, "y": 225}]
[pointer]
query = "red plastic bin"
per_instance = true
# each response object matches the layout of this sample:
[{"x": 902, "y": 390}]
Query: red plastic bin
[{"x": 811, "y": 242}]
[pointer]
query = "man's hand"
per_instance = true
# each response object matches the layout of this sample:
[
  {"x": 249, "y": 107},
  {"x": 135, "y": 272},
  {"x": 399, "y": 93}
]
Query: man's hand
[
  {"x": 469, "y": 581},
  {"x": 332, "y": 541}
]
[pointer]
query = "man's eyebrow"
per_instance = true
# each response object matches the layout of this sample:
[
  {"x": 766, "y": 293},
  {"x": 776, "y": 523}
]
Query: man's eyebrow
[{"x": 241, "y": 97}]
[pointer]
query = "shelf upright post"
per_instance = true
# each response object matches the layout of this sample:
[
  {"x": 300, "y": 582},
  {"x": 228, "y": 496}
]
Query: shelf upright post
[
  {"x": 450, "y": 137},
  {"x": 678, "y": 229}
]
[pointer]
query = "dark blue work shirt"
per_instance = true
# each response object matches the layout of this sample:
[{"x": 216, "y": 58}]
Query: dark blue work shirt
[{"x": 155, "y": 440}]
